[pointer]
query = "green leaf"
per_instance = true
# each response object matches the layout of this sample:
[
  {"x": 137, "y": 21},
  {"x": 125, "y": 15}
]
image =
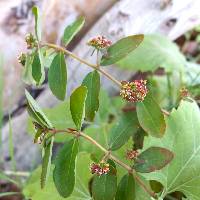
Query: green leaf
[
  {"x": 58, "y": 118},
  {"x": 121, "y": 49},
  {"x": 123, "y": 130},
  {"x": 150, "y": 116},
  {"x": 27, "y": 71},
  {"x": 57, "y": 76},
  {"x": 126, "y": 188},
  {"x": 72, "y": 30},
  {"x": 104, "y": 187},
  {"x": 46, "y": 162},
  {"x": 36, "y": 112},
  {"x": 182, "y": 138},
  {"x": 33, "y": 191},
  {"x": 77, "y": 105},
  {"x": 154, "y": 52},
  {"x": 92, "y": 82},
  {"x": 152, "y": 159},
  {"x": 38, "y": 31},
  {"x": 83, "y": 177},
  {"x": 36, "y": 68},
  {"x": 138, "y": 138},
  {"x": 64, "y": 172}
]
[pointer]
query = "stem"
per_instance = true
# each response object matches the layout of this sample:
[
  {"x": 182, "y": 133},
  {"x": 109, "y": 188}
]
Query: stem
[
  {"x": 169, "y": 90},
  {"x": 96, "y": 67},
  {"x": 108, "y": 153},
  {"x": 12, "y": 173}
]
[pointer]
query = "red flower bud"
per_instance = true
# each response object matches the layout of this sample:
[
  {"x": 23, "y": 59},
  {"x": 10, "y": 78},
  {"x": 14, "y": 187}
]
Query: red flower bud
[
  {"x": 99, "y": 42},
  {"x": 134, "y": 91},
  {"x": 99, "y": 169},
  {"x": 131, "y": 154}
]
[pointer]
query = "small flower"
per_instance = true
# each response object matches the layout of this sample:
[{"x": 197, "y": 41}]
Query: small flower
[
  {"x": 22, "y": 58},
  {"x": 99, "y": 169},
  {"x": 131, "y": 154},
  {"x": 30, "y": 41},
  {"x": 99, "y": 42},
  {"x": 184, "y": 93},
  {"x": 134, "y": 91}
]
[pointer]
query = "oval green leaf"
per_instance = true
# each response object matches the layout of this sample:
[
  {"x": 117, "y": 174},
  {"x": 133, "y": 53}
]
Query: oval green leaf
[
  {"x": 155, "y": 51},
  {"x": 71, "y": 30},
  {"x": 46, "y": 162},
  {"x": 123, "y": 130},
  {"x": 126, "y": 188},
  {"x": 104, "y": 187},
  {"x": 121, "y": 49},
  {"x": 57, "y": 76},
  {"x": 36, "y": 68},
  {"x": 77, "y": 105},
  {"x": 92, "y": 82},
  {"x": 151, "y": 117},
  {"x": 152, "y": 159},
  {"x": 64, "y": 172}
]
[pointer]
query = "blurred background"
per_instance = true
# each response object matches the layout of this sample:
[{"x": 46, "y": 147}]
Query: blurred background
[{"x": 177, "y": 20}]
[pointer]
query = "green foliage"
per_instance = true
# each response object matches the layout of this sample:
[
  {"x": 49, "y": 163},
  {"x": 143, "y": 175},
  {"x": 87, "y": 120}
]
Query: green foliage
[
  {"x": 35, "y": 112},
  {"x": 152, "y": 159},
  {"x": 126, "y": 188},
  {"x": 77, "y": 105},
  {"x": 33, "y": 191},
  {"x": 151, "y": 117},
  {"x": 121, "y": 49},
  {"x": 57, "y": 76},
  {"x": 72, "y": 30},
  {"x": 36, "y": 68},
  {"x": 123, "y": 130},
  {"x": 38, "y": 31},
  {"x": 181, "y": 138},
  {"x": 168, "y": 159},
  {"x": 64, "y": 172},
  {"x": 46, "y": 162},
  {"x": 27, "y": 71},
  {"x": 104, "y": 187},
  {"x": 92, "y": 82},
  {"x": 154, "y": 52}
]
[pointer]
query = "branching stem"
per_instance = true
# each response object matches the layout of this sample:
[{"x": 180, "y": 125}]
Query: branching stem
[
  {"x": 94, "y": 66},
  {"x": 109, "y": 155}
]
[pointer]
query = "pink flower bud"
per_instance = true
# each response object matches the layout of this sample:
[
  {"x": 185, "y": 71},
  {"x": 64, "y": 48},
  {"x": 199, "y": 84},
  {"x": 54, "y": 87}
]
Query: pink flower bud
[
  {"x": 131, "y": 154},
  {"x": 99, "y": 42},
  {"x": 134, "y": 91},
  {"x": 99, "y": 169}
]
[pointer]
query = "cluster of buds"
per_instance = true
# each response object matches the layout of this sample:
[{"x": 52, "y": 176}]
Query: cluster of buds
[
  {"x": 134, "y": 91},
  {"x": 184, "y": 93},
  {"x": 99, "y": 169},
  {"x": 132, "y": 154},
  {"x": 22, "y": 58},
  {"x": 30, "y": 41},
  {"x": 99, "y": 42}
]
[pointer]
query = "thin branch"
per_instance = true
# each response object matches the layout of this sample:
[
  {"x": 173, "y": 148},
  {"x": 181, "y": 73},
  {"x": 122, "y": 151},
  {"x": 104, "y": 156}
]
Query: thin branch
[
  {"x": 108, "y": 153},
  {"x": 17, "y": 173},
  {"x": 94, "y": 66}
]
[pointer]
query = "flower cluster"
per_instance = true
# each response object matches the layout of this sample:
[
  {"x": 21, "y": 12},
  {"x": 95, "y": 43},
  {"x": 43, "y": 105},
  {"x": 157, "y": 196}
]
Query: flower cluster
[
  {"x": 22, "y": 58},
  {"x": 99, "y": 169},
  {"x": 99, "y": 42},
  {"x": 30, "y": 41},
  {"x": 184, "y": 93},
  {"x": 134, "y": 91},
  {"x": 131, "y": 154}
]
